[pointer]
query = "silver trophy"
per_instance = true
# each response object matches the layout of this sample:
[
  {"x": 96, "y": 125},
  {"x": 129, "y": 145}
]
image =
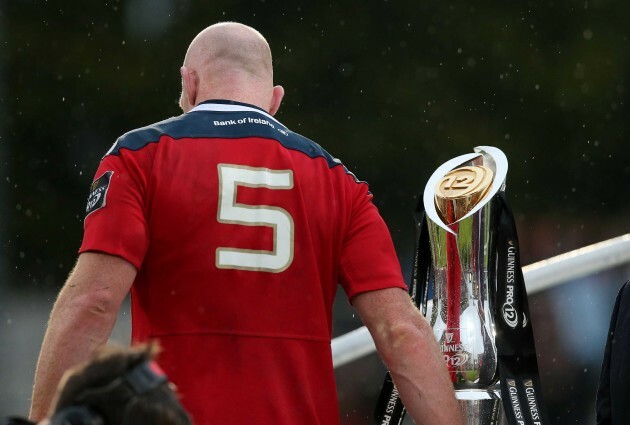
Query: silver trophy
[{"x": 459, "y": 299}]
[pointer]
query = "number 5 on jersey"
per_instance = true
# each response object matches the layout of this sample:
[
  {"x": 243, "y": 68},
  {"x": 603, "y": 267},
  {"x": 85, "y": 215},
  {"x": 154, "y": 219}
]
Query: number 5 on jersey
[{"x": 230, "y": 212}]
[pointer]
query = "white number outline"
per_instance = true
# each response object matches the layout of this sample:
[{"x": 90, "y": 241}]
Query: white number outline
[{"x": 230, "y": 212}]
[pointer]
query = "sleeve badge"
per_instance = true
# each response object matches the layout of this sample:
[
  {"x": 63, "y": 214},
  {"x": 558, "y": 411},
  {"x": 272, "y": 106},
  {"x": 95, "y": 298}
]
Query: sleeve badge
[{"x": 98, "y": 193}]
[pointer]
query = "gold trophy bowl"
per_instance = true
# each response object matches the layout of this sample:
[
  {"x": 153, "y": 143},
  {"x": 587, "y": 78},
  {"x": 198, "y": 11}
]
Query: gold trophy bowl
[{"x": 460, "y": 190}]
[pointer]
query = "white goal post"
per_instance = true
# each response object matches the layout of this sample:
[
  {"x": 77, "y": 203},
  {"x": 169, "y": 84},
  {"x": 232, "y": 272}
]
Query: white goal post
[{"x": 538, "y": 277}]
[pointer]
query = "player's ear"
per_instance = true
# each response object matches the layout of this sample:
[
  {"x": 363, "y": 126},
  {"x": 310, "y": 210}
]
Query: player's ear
[
  {"x": 276, "y": 98},
  {"x": 190, "y": 88}
]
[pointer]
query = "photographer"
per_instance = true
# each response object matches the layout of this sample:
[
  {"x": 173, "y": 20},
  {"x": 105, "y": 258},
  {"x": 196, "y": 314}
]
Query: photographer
[{"x": 118, "y": 387}]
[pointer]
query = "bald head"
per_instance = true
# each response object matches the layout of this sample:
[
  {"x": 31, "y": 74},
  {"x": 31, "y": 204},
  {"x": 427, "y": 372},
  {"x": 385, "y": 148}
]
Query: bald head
[
  {"x": 230, "y": 48},
  {"x": 228, "y": 61}
]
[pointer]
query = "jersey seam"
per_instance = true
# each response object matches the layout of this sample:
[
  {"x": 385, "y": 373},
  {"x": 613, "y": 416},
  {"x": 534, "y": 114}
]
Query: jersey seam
[{"x": 330, "y": 167}]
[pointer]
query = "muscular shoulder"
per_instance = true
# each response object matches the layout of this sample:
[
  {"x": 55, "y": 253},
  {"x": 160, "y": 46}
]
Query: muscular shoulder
[{"x": 141, "y": 137}]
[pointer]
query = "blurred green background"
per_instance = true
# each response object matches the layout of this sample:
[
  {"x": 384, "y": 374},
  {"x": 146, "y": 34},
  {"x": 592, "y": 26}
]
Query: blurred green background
[{"x": 393, "y": 89}]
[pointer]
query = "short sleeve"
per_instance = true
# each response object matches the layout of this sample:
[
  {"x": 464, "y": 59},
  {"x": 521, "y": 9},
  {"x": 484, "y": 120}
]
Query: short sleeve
[
  {"x": 368, "y": 257},
  {"x": 115, "y": 221}
]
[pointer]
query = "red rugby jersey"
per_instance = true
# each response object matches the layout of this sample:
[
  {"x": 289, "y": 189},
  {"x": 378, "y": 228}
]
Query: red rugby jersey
[{"x": 240, "y": 230}]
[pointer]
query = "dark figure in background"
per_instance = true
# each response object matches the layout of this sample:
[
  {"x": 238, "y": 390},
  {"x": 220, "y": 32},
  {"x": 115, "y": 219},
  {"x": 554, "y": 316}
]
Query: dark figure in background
[
  {"x": 117, "y": 387},
  {"x": 232, "y": 233},
  {"x": 613, "y": 395}
]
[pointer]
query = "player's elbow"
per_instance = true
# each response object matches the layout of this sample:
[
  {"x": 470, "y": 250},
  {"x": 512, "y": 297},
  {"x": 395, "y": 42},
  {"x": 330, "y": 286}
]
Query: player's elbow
[
  {"x": 97, "y": 304},
  {"x": 101, "y": 302},
  {"x": 405, "y": 341}
]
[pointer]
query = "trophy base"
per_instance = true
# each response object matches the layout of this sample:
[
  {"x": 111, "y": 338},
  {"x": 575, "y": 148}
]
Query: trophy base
[{"x": 481, "y": 407}]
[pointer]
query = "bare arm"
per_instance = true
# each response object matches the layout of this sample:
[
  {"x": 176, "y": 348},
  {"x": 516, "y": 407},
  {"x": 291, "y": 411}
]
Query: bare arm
[
  {"x": 81, "y": 321},
  {"x": 406, "y": 344}
]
